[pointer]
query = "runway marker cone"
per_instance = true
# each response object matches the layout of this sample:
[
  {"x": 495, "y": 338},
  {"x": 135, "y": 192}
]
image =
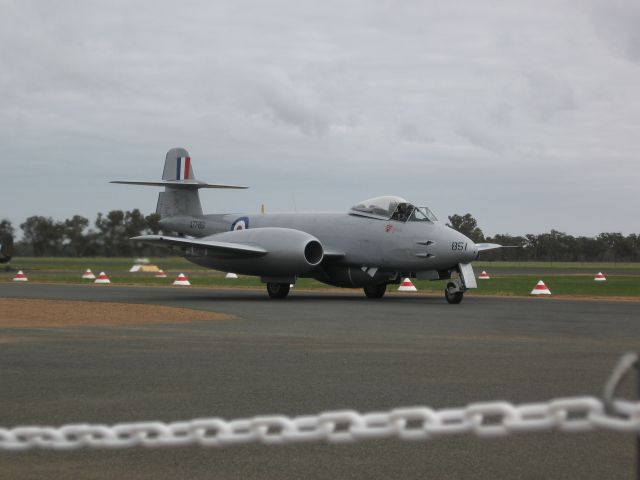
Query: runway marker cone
[
  {"x": 600, "y": 277},
  {"x": 181, "y": 280},
  {"x": 407, "y": 286},
  {"x": 231, "y": 275},
  {"x": 20, "y": 277},
  {"x": 88, "y": 275},
  {"x": 160, "y": 274},
  {"x": 484, "y": 276},
  {"x": 102, "y": 279},
  {"x": 540, "y": 289}
]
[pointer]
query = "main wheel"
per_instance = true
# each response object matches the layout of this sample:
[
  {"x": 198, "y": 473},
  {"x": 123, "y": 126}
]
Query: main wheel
[
  {"x": 278, "y": 290},
  {"x": 375, "y": 291},
  {"x": 451, "y": 295}
]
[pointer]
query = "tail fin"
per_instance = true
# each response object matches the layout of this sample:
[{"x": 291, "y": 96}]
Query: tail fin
[
  {"x": 177, "y": 200},
  {"x": 180, "y": 196},
  {"x": 177, "y": 165}
]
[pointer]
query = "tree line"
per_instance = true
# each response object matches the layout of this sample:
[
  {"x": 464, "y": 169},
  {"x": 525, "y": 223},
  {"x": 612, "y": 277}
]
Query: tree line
[
  {"x": 76, "y": 237},
  {"x": 553, "y": 246},
  {"x": 109, "y": 237}
]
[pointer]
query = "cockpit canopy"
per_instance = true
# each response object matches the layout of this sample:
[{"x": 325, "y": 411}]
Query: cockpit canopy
[{"x": 392, "y": 208}]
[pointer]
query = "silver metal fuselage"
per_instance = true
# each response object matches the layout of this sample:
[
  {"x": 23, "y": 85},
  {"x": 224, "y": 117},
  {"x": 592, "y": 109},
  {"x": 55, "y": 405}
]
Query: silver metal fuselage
[{"x": 358, "y": 241}]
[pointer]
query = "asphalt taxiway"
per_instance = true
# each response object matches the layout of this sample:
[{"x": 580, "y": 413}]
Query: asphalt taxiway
[{"x": 309, "y": 353}]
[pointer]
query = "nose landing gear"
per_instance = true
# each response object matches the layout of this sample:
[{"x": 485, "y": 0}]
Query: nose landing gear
[{"x": 454, "y": 292}]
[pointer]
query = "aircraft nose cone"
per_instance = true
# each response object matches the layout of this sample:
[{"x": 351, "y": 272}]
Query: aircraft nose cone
[{"x": 469, "y": 251}]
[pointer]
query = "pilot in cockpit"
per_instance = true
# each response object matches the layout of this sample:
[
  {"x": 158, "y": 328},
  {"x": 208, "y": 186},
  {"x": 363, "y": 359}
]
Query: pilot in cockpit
[{"x": 402, "y": 213}]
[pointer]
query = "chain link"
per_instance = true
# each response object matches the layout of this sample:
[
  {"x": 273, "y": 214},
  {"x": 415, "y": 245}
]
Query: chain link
[{"x": 488, "y": 419}]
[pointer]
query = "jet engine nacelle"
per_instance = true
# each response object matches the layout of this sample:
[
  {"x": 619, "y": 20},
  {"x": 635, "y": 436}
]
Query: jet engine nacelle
[
  {"x": 5, "y": 253},
  {"x": 289, "y": 252}
]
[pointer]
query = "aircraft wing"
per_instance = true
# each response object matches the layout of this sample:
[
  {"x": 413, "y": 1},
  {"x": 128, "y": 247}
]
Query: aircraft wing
[
  {"x": 216, "y": 246},
  {"x": 483, "y": 247}
]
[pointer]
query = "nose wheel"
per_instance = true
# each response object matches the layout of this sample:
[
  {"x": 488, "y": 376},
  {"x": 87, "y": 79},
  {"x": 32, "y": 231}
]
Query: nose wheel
[
  {"x": 278, "y": 290},
  {"x": 453, "y": 293}
]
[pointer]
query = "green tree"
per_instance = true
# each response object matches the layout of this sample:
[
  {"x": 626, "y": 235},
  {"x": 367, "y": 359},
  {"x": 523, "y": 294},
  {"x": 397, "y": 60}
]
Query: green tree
[
  {"x": 135, "y": 225},
  {"x": 43, "y": 235},
  {"x": 467, "y": 225},
  {"x": 634, "y": 242},
  {"x": 152, "y": 222},
  {"x": 6, "y": 239},
  {"x": 556, "y": 246},
  {"x": 590, "y": 249},
  {"x": 506, "y": 254},
  {"x": 6, "y": 232},
  {"x": 111, "y": 232},
  {"x": 116, "y": 228},
  {"x": 618, "y": 247},
  {"x": 74, "y": 234}
]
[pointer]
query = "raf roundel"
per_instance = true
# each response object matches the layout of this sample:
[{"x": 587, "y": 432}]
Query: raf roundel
[{"x": 240, "y": 224}]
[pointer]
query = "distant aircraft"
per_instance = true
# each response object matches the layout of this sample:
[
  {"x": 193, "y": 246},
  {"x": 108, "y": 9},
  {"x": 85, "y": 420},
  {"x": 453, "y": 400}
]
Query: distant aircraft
[
  {"x": 5, "y": 253},
  {"x": 6, "y": 249},
  {"x": 377, "y": 242}
]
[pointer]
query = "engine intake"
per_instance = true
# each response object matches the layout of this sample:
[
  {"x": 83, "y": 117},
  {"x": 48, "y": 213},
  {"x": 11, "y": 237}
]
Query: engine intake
[{"x": 313, "y": 252}]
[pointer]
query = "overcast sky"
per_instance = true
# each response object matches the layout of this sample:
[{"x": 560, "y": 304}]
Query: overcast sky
[{"x": 524, "y": 113}]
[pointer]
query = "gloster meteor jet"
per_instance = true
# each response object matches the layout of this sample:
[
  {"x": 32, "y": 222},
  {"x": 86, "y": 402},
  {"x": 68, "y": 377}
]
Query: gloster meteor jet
[{"x": 377, "y": 242}]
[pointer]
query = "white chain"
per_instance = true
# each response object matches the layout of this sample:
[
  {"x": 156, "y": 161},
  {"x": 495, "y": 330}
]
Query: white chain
[{"x": 490, "y": 419}]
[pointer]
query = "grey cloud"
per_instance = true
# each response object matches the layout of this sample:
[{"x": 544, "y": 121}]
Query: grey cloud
[
  {"x": 617, "y": 23},
  {"x": 377, "y": 97},
  {"x": 289, "y": 103},
  {"x": 548, "y": 95}
]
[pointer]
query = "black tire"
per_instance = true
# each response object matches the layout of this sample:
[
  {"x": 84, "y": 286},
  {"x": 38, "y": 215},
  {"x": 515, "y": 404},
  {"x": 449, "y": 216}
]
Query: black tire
[
  {"x": 375, "y": 291},
  {"x": 452, "y": 297},
  {"x": 278, "y": 290}
]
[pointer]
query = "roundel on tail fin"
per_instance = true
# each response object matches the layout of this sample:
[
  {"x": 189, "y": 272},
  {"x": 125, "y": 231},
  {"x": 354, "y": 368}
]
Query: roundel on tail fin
[{"x": 241, "y": 223}]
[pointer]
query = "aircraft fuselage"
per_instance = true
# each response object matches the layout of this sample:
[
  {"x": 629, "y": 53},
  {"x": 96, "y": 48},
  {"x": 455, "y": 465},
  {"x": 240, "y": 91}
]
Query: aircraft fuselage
[{"x": 383, "y": 246}]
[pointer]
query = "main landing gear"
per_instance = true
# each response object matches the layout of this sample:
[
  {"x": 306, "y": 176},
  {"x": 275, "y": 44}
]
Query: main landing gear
[
  {"x": 454, "y": 291},
  {"x": 278, "y": 290},
  {"x": 375, "y": 291}
]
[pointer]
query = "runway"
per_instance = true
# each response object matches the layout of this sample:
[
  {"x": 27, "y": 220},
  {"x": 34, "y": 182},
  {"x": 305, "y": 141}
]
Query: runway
[{"x": 310, "y": 353}]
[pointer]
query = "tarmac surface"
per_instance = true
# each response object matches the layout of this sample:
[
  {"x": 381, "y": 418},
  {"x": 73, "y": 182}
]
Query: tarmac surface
[{"x": 310, "y": 353}]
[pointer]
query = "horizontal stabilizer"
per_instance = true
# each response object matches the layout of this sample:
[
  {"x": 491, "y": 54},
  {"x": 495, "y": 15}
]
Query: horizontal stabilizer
[
  {"x": 194, "y": 184},
  {"x": 212, "y": 245}
]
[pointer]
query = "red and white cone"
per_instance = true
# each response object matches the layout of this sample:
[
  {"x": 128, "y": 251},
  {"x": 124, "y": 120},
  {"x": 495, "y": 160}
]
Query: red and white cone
[
  {"x": 20, "y": 277},
  {"x": 540, "y": 289},
  {"x": 484, "y": 276},
  {"x": 600, "y": 277},
  {"x": 102, "y": 279},
  {"x": 88, "y": 275},
  {"x": 407, "y": 286},
  {"x": 181, "y": 280},
  {"x": 160, "y": 274},
  {"x": 231, "y": 275}
]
